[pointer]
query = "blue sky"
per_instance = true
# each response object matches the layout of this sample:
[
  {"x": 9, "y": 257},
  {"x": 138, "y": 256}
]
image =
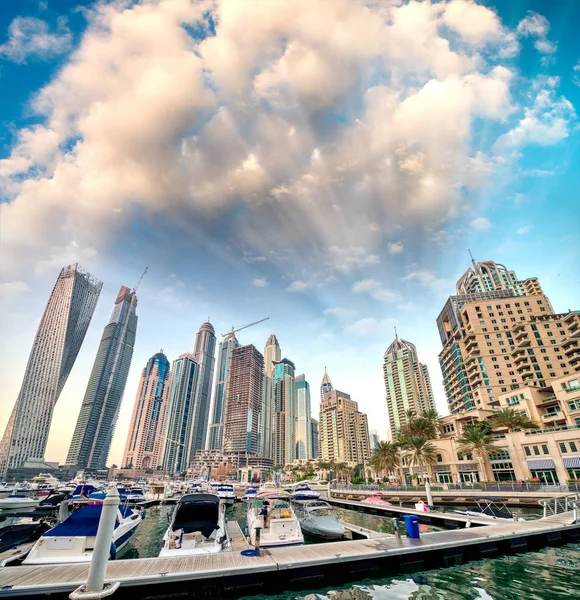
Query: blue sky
[{"x": 323, "y": 164}]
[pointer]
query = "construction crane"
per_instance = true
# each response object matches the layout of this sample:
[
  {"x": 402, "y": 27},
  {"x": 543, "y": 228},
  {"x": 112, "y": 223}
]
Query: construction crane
[
  {"x": 140, "y": 280},
  {"x": 236, "y": 329}
]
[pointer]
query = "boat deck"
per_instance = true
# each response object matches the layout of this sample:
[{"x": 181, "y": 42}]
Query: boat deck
[{"x": 228, "y": 573}]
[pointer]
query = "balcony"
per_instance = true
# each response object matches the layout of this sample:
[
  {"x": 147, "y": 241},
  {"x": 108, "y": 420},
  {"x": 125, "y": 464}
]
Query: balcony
[
  {"x": 521, "y": 335},
  {"x": 571, "y": 351},
  {"x": 527, "y": 376},
  {"x": 547, "y": 401},
  {"x": 523, "y": 367}
]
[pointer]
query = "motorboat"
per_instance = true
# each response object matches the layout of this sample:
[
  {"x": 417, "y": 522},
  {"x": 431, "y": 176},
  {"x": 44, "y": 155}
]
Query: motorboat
[
  {"x": 51, "y": 502},
  {"x": 251, "y": 493},
  {"x": 73, "y": 540},
  {"x": 375, "y": 500},
  {"x": 18, "y": 501},
  {"x": 490, "y": 508},
  {"x": 319, "y": 519},
  {"x": 7, "y": 490},
  {"x": 135, "y": 495},
  {"x": 225, "y": 492},
  {"x": 159, "y": 490},
  {"x": 304, "y": 492},
  {"x": 274, "y": 515},
  {"x": 198, "y": 526}
]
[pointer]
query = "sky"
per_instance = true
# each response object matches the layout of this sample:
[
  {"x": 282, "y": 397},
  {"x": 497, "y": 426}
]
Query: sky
[{"x": 325, "y": 164}]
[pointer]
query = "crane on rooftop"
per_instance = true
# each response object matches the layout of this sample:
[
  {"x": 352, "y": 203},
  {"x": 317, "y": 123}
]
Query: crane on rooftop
[
  {"x": 140, "y": 280},
  {"x": 236, "y": 329}
]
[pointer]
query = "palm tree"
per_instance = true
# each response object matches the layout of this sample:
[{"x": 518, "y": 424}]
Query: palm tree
[
  {"x": 476, "y": 441},
  {"x": 511, "y": 419},
  {"x": 385, "y": 457},
  {"x": 427, "y": 425},
  {"x": 419, "y": 451}
]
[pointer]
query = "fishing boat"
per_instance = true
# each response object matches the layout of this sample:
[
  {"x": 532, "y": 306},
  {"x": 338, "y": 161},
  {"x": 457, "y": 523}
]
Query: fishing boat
[
  {"x": 304, "y": 492},
  {"x": 490, "y": 508},
  {"x": 319, "y": 519},
  {"x": 73, "y": 540},
  {"x": 198, "y": 526},
  {"x": 18, "y": 501},
  {"x": 277, "y": 520},
  {"x": 225, "y": 492}
]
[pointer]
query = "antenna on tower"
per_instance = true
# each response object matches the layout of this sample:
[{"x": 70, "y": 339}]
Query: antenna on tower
[
  {"x": 396, "y": 334},
  {"x": 140, "y": 280},
  {"x": 472, "y": 259}
]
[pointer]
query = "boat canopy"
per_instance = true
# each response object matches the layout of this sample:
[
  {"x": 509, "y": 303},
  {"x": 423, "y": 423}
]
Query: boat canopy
[
  {"x": 84, "y": 489},
  {"x": 83, "y": 522},
  {"x": 197, "y": 512}
]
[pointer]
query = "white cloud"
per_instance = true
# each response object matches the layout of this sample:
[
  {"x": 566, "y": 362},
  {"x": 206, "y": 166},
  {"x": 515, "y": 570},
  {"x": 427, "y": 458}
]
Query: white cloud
[
  {"x": 30, "y": 37},
  {"x": 376, "y": 290},
  {"x": 299, "y": 286},
  {"x": 430, "y": 281},
  {"x": 537, "y": 173},
  {"x": 576, "y": 73},
  {"x": 338, "y": 312},
  {"x": 396, "y": 248},
  {"x": 369, "y": 326},
  {"x": 260, "y": 282},
  {"x": 481, "y": 224},
  {"x": 523, "y": 230},
  {"x": 10, "y": 290},
  {"x": 537, "y": 26},
  {"x": 347, "y": 259},
  {"x": 250, "y": 258}
]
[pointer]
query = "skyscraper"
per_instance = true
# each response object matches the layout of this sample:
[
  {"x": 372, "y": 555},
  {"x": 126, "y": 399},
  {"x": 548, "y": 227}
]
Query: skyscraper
[
  {"x": 303, "y": 426},
  {"x": 149, "y": 412},
  {"x": 204, "y": 356},
  {"x": 326, "y": 385},
  {"x": 374, "y": 439},
  {"x": 244, "y": 402},
  {"x": 343, "y": 431},
  {"x": 407, "y": 383},
  {"x": 314, "y": 432},
  {"x": 59, "y": 337},
  {"x": 95, "y": 426},
  {"x": 283, "y": 412},
  {"x": 272, "y": 354},
  {"x": 178, "y": 431},
  {"x": 486, "y": 339},
  {"x": 216, "y": 429}
]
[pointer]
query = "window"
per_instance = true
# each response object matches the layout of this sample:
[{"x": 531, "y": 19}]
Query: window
[
  {"x": 573, "y": 447},
  {"x": 536, "y": 451},
  {"x": 439, "y": 458},
  {"x": 545, "y": 449},
  {"x": 527, "y": 450},
  {"x": 563, "y": 448},
  {"x": 573, "y": 405},
  {"x": 498, "y": 335}
]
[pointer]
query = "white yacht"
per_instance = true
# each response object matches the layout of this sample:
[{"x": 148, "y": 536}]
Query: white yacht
[
  {"x": 319, "y": 519},
  {"x": 73, "y": 540},
  {"x": 135, "y": 495},
  {"x": 225, "y": 492},
  {"x": 198, "y": 526},
  {"x": 303, "y": 491},
  {"x": 18, "y": 501},
  {"x": 274, "y": 514},
  {"x": 251, "y": 493}
]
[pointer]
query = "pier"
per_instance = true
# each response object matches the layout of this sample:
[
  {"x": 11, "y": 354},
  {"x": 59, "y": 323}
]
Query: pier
[{"x": 229, "y": 574}]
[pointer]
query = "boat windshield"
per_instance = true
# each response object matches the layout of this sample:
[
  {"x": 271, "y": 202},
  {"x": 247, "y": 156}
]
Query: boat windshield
[{"x": 321, "y": 511}]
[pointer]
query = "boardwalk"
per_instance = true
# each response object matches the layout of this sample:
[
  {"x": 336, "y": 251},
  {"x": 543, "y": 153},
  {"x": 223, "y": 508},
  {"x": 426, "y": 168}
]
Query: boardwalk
[{"x": 231, "y": 574}]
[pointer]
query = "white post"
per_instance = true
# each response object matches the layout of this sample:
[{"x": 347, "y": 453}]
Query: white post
[
  {"x": 98, "y": 568},
  {"x": 428, "y": 491}
]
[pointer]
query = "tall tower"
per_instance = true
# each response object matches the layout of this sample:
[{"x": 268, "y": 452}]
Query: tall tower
[
  {"x": 407, "y": 383},
  {"x": 244, "y": 402},
  {"x": 216, "y": 429},
  {"x": 58, "y": 340},
  {"x": 326, "y": 385},
  {"x": 303, "y": 426},
  {"x": 283, "y": 412},
  {"x": 272, "y": 354},
  {"x": 95, "y": 426},
  {"x": 204, "y": 356},
  {"x": 482, "y": 330},
  {"x": 178, "y": 431},
  {"x": 148, "y": 421}
]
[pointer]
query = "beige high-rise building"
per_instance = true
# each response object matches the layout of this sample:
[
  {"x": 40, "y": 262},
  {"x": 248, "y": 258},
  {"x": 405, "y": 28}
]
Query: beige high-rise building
[
  {"x": 343, "y": 431},
  {"x": 407, "y": 383},
  {"x": 149, "y": 413},
  {"x": 498, "y": 334}
]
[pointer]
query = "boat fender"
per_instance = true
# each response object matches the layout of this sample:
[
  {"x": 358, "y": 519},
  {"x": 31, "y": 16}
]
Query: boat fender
[
  {"x": 143, "y": 513},
  {"x": 113, "y": 552}
]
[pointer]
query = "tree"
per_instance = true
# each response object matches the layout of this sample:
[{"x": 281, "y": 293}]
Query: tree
[
  {"x": 427, "y": 425},
  {"x": 484, "y": 426},
  {"x": 474, "y": 440},
  {"x": 420, "y": 452},
  {"x": 385, "y": 458},
  {"x": 511, "y": 419}
]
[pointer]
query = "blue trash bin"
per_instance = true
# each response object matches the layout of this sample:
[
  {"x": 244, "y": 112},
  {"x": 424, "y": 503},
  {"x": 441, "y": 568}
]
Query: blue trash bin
[{"x": 412, "y": 525}]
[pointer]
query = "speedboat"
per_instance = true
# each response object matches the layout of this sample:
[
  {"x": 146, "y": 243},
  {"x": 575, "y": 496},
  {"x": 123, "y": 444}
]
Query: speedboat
[
  {"x": 18, "y": 501},
  {"x": 319, "y": 519},
  {"x": 73, "y": 540},
  {"x": 304, "y": 492},
  {"x": 251, "y": 493},
  {"x": 198, "y": 526},
  {"x": 490, "y": 508},
  {"x": 135, "y": 495},
  {"x": 277, "y": 520},
  {"x": 225, "y": 492}
]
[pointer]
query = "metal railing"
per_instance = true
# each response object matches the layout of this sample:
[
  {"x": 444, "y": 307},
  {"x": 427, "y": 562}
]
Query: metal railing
[
  {"x": 507, "y": 486},
  {"x": 556, "y": 506}
]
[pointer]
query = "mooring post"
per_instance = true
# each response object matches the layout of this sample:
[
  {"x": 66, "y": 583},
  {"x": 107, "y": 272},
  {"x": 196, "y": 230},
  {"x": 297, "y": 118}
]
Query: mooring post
[
  {"x": 396, "y": 526},
  {"x": 257, "y": 544},
  {"x": 95, "y": 586}
]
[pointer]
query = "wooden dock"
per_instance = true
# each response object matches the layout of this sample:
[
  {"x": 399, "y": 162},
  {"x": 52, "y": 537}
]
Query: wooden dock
[
  {"x": 359, "y": 532},
  {"x": 229, "y": 574}
]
